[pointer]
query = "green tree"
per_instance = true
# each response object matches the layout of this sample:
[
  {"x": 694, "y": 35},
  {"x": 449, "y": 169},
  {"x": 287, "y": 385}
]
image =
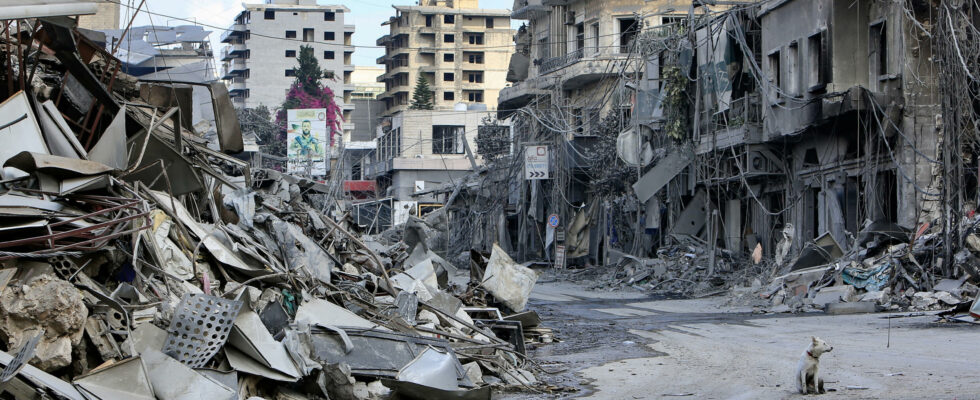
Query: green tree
[{"x": 422, "y": 95}]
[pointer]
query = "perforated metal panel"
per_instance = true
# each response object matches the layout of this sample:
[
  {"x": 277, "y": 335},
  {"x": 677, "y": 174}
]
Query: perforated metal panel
[
  {"x": 25, "y": 353},
  {"x": 200, "y": 328}
]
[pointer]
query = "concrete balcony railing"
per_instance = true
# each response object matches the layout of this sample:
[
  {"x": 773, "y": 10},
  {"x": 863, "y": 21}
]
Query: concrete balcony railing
[{"x": 232, "y": 32}]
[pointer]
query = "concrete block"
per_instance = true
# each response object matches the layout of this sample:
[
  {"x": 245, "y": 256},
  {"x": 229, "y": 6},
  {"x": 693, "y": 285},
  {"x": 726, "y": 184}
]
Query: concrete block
[{"x": 857, "y": 307}]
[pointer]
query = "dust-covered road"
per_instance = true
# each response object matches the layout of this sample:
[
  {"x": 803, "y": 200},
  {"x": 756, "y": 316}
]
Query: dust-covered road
[{"x": 625, "y": 345}]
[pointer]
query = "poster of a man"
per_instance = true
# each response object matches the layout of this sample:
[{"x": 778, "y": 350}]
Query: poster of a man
[{"x": 306, "y": 136}]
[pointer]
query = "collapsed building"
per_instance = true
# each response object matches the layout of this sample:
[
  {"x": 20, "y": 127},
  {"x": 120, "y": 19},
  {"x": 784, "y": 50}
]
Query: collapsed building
[
  {"x": 140, "y": 258},
  {"x": 759, "y": 131}
]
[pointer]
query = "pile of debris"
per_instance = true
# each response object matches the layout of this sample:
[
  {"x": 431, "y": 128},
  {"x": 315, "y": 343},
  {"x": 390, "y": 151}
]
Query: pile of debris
[
  {"x": 888, "y": 268},
  {"x": 141, "y": 260},
  {"x": 682, "y": 270}
]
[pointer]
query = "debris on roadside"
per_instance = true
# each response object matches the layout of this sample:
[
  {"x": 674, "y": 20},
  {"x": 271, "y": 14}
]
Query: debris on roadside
[{"x": 140, "y": 260}]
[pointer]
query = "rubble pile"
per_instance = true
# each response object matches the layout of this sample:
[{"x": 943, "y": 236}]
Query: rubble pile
[
  {"x": 141, "y": 260},
  {"x": 889, "y": 268},
  {"x": 683, "y": 270}
]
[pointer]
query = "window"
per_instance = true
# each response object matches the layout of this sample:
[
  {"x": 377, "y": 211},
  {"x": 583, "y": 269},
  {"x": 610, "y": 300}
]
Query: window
[
  {"x": 449, "y": 19},
  {"x": 270, "y": 14},
  {"x": 248, "y": 54},
  {"x": 489, "y": 22},
  {"x": 308, "y": 35},
  {"x": 448, "y": 57},
  {"x": 329, "y": 74},
  {"x": 290, "y": 53},
  {"x": 290, "y": 34},
  {"x": 793, "y": 69},
  {"x": 448, "y": 96},
  {"x": 428, "y": 21},
  {"x": 628, "y": 27},
  {"x": 595, "y": 37},
  {"x": 329, "y": 16},
  {"x": 449, "y": 38},
  {"x": 447, "y": 139},
  {"x": 329, "y": 36},
  {"x": 474, "y": 77},
  {"x": 328, "y": 55},
  {"x": 580, "y": 36},
  {"x": 475, "y": 58},
  {"x": 879, "y": 48},
  {"x": 476, "y": 38},
  {"x": 818, "y": 65},
  {"x": 448, "y": 77},
  {"x": 290, "y": 72},
  {"x": 475, "y": 97},
  {"x": 774, "y": 77}
]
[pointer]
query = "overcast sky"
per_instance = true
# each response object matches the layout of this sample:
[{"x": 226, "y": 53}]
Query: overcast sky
[{"x": 366, "y": 15}]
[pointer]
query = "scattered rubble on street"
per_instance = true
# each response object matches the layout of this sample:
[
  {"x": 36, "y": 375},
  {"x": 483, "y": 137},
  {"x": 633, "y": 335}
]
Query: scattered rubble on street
[{"x": 141, "y": 260}]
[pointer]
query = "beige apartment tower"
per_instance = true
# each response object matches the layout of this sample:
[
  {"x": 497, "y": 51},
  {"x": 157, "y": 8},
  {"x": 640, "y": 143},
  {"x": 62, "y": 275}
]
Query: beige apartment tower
[{"x": 461, "y": 49}]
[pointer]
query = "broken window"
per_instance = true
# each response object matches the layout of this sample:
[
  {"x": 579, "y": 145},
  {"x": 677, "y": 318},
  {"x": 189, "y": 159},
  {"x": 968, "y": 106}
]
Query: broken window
[
  {"x": 308, "y": 35},
  {"x": 448, "y": 96},
  {"x": 290, "y": 72},
  {"x": 290, "y": 53},
  {"x": 774, "y": 75},
  {"x": 448, "y": 76},
  {"x": 628, "y": 28},
  {"x": 449, "y": 19},
  {"x": 329, "y": 16},
  {"x": 476, "y": 38},
  {"x": 328, "y": 55},
  {"x": 329, "y": 36},
  {"x": 270, "y": 14},
  {"x": 449, "y": 38},
  {"x": 580, "y": 37},
  {"x": 595, "y": 37},
  {"x": 474, "y": 77},
  {"x": 489, "y": 22},
  {"x": 448, "y": 57},
  {"x": 818, "y": 62},
  {"x": 793, "y": 69},
  {"x": 879, "y": 48},
  {"x": 447, "y": 139},
  {"x": 428, "y": 21},
  {"x": 290, "y": 34}
]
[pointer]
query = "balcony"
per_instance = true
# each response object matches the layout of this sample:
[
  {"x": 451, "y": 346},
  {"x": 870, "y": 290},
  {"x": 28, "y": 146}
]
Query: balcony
[
  {"x": 382, "y": 59},
  {"x": 529, "y": 9},
  {"x": 550, "y": 64},
  {"x": 348, "y": 68},
  {"x": 383, "y": 40},
  {"x": 236, "y": 85},
  {"x": 233, "y": 32},
  {"x": 232, "y": 51},
  {"x": 234, "y": 68},
  {"x": 348, "y": 48},
  {"x": 518, "y": 95}
]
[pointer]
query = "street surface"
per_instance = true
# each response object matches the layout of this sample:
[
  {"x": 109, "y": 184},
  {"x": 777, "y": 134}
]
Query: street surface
[{"x": 625, "y": 345}]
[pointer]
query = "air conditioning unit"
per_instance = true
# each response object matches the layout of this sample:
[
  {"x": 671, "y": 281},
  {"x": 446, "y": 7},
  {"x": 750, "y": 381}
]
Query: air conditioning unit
[{"x": 570, "y": 18}]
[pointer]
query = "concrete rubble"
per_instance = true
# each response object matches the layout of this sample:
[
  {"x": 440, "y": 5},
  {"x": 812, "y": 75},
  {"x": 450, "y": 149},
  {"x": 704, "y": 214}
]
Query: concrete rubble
[{"x": 154, "y": 264}]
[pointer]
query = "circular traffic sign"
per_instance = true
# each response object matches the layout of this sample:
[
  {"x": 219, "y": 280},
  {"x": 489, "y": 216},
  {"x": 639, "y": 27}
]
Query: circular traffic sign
[{"x": 553, "y": 220}]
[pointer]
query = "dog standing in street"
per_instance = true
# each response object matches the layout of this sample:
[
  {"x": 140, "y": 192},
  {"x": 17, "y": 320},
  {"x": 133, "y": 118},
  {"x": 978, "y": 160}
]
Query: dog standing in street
[{"x": 807, "y": 381}]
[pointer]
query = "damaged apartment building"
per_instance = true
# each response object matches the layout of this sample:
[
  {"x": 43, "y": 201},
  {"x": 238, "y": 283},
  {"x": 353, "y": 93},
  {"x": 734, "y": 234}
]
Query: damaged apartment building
[{"x": 767, "y": 124}]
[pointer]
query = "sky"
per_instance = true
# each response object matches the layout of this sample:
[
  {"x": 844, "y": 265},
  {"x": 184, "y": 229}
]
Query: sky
[{"x": 366, "y": 15}]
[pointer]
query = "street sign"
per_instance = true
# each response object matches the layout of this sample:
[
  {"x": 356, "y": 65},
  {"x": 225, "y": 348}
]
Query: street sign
[
  {"x": 536, "y": 162},
  {"x": 560, "y": 256},
  {"x": 553, "y": 220}
]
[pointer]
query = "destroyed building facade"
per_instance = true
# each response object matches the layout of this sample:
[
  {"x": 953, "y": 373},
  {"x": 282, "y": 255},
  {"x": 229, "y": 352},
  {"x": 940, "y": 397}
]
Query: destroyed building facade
[{"x": 732, "y": 126}]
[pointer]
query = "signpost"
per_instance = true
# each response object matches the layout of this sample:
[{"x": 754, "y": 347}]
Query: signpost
[{"x": 536, "y": 162}]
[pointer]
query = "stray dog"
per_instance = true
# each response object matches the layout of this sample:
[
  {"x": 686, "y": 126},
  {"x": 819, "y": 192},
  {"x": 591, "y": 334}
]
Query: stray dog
[{"x": 806, "y": 371}]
